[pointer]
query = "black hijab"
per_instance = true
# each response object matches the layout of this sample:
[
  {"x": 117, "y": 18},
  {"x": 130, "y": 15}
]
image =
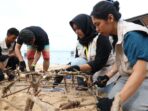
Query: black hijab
[{"x": 84, "y": 22}]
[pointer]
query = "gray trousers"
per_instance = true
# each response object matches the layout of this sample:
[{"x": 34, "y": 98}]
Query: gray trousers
[{"x": 139, "y": 101}]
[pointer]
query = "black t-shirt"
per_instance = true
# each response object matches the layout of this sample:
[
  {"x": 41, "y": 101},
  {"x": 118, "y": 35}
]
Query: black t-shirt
[{"x": 41, "y": 37}]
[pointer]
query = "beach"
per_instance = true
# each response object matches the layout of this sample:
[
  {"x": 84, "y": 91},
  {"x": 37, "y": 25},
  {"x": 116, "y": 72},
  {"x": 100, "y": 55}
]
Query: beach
[{"x": 53, "y": 97}]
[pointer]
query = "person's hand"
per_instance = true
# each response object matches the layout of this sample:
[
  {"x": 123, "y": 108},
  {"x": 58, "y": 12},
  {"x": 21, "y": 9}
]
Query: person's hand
[
  {"x": 22, "y": 65},
  {"x": 65, "y": 66},
  {"x": 104, "y": 104},
  {"x": 117, "y": 103},
  {"x": 32, "y": 68},
  {"x": 73, "y": 68},
  {"x": 3, "y": 58},
  {"x": 101, "y": 81}
]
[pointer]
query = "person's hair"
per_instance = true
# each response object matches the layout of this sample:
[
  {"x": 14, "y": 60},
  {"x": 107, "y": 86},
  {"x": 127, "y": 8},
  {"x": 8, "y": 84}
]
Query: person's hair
[
  {"x": 26, "y": 35},
  {"x": 102, "y": 9},
  {"x": 12, "y": 31}
]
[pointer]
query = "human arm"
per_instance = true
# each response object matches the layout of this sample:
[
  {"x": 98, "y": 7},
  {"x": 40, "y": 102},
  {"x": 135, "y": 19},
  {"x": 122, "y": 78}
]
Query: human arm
[
  {"x": 36, "y": 57},
  {"x": 103, "y": 50},
  {"x": 22, "y": 64},
  {"x": 18, "y": 52},
  {"x": 135, "y": 48},
  {"x": 12, "y": 52},
  {"x": 134, "y": 81}
]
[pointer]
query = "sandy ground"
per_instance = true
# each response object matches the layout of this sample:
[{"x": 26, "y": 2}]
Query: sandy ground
[{"x": 87, "y": 101}]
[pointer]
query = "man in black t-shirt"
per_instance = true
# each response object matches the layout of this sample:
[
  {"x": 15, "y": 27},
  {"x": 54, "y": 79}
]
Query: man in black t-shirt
[{"x": 37, "y": 42}]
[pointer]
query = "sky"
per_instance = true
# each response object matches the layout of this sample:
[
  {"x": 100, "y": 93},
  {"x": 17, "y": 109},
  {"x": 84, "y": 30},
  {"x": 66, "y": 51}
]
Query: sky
[{"x": 54, "y": 16}]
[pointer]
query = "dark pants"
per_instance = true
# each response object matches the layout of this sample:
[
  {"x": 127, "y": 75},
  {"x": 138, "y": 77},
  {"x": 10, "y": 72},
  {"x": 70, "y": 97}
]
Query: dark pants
[
  {"x": 81, "y": 82},
  {"x": 12, "y": 62},
  {"x": 1, "y": 75}
]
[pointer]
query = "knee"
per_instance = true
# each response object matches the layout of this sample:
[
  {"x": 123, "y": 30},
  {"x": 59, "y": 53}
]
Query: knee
[
  {"x": 30, "y": 55},
  {"x": 46, "y": 56},
  {"x": 46, "y": 59}
]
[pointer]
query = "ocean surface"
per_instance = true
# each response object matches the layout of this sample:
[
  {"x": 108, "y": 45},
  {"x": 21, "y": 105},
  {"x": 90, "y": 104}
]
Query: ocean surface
[{"x": 57, "y": 57}]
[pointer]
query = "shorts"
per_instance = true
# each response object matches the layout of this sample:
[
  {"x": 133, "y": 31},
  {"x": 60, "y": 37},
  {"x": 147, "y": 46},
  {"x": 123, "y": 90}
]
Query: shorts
[{"x": 32, "y": 50}]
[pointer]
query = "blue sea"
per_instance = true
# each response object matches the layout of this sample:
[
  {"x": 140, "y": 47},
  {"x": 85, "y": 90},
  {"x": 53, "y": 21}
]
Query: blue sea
[{"x": 58, "y": 57}]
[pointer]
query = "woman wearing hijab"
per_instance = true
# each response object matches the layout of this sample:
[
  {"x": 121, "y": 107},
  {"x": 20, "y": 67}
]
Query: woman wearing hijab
[
  {"x": 130, "y": 90},
  {"x": 93, "y": 51}
]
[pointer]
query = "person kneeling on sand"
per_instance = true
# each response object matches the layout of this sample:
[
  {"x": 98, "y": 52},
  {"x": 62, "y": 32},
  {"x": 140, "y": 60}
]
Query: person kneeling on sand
[
  {"x": 93, "y": 51},
  {"x": 37, "y": 42},
  {"x": 8, "y": 58}
]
